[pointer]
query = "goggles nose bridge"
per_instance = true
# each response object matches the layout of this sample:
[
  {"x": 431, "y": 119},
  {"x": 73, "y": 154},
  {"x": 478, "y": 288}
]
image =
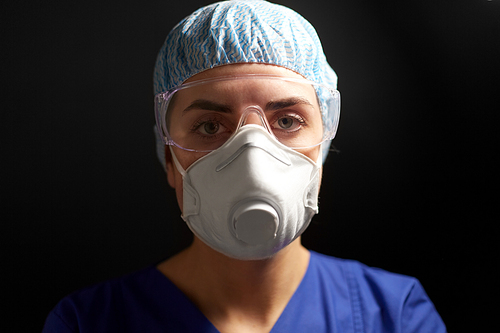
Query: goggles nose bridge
[{"x": 254, "y": 115}]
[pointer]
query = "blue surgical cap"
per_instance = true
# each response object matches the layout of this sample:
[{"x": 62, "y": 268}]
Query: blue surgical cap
[{"x": 243, "y": 31}]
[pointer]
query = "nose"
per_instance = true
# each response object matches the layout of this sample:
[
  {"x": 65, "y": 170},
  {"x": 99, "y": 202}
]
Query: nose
[
  {"x": 254, "y": 115},
  {"x": 252, "y": 118}
]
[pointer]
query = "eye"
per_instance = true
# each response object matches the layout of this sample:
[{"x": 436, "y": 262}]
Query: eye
[
  {"x": 288, "y": 123},
  {"x": 285, "y": 123},
  {"x": 209, "y": 127}
]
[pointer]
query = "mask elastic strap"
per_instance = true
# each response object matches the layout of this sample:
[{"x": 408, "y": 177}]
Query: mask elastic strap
[
  {"x": 191, "y": 204},
  {"x": 176, "y": 162}
]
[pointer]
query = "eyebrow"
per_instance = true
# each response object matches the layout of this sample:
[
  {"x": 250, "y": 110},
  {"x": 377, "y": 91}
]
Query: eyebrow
[
  {"x": 204, "y": 104},
  {"x": 287, "y": 102}
]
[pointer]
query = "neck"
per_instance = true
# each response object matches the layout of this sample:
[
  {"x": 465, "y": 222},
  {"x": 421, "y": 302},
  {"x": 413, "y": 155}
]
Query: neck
[{"x": 227, "y": 289}]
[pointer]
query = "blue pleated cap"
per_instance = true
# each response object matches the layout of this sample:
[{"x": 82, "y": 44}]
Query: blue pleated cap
[{"x": 242, "y": 31}]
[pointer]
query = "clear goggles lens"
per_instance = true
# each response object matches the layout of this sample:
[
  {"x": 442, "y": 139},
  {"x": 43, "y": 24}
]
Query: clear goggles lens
[{"x": 202, "y": 115}]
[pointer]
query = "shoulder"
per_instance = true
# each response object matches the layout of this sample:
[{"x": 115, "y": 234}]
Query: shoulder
[
  {"x": 356, "y": 274},
  {"x": 352, "y": 272},
  {"x": 127, "y": 286},
  {"x": 106, "y": 304},
  {"x": 386, "y": 301}
]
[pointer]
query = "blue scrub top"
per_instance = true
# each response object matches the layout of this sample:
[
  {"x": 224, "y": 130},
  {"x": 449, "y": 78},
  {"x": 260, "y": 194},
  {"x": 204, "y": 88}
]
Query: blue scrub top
[{"x": 335, "y": 295}]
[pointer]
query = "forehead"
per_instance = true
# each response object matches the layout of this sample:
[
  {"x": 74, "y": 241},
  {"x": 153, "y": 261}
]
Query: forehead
[
  {"x": 246, "y": 90},
  {"x": 241, "y": 69}
]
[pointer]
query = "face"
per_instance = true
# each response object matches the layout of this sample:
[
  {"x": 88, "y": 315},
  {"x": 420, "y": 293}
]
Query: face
[{"x": 284, "y": 105}]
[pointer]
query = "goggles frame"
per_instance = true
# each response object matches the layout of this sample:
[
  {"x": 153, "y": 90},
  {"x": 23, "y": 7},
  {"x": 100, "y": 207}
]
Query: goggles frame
[{"x": 329, "y": 114}]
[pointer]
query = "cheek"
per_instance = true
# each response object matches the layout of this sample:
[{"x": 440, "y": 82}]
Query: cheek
[
  {"x": 186, "y": 158},
  {"x": 312, "y": 153}
]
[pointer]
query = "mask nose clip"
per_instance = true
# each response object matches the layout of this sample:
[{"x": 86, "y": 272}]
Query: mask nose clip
[{"x": 254, "y": 115}]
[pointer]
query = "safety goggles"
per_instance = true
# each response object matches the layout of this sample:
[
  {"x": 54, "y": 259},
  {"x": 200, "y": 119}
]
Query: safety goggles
[{"x": 202, "y": 115}]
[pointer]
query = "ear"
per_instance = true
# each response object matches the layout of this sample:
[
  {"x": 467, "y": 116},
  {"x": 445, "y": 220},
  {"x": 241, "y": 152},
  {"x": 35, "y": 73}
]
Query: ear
[{"x": 170, "y": 168}]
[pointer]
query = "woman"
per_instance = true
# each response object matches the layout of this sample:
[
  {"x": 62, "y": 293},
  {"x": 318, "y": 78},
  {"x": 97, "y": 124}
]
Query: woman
[{"x": 246, "y": 107}]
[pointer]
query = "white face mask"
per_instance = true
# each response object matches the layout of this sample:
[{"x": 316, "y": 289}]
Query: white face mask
[{"x": 251, "y": 197}]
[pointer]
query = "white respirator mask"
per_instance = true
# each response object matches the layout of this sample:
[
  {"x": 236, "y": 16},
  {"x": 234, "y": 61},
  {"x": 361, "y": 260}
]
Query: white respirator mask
[{"x": 252, "y": 196}]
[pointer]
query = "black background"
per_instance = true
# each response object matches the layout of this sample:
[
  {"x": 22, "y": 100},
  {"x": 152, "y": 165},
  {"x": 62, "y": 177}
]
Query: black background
[{"x": 413, "y": 189}]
